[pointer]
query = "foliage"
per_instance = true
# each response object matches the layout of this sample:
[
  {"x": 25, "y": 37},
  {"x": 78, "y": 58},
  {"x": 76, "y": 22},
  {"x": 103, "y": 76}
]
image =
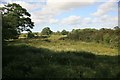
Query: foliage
[
  {"x": 107, "y": 36},
  {"x": 36, "y": 34},
  {"x": 30, "y": 35},
  {"x": 15, "y": 20},
  {"x": 64, "y": 32},
  {"x": 23, "y": 35},
  {"x": 58, "y": 33},
  {"x": 46, "y": 31}
]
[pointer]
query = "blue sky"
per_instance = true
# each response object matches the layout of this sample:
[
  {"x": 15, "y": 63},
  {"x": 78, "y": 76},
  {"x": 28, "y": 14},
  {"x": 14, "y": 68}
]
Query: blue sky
[{"x": 59, "y": 15}]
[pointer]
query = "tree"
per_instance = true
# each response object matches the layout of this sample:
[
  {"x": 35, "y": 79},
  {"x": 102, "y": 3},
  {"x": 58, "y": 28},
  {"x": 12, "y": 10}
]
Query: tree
[
  {"x": 74, "y": 35},
  {"x": 15, "y": 20},
  {"x": 30, "y": 35},
  {"x": 46, "y": 31},
  {"x": 116, "y": 27},
  {"x": 64, "y": 32},
  {"x": 58, "y": 33}
]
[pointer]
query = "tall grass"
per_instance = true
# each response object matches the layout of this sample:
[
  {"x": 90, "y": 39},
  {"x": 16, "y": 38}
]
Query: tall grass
[
  {"x": 23, "y": 61},
  {"x": 55, "y": 58},
  {"x": 53, "y": 43}
]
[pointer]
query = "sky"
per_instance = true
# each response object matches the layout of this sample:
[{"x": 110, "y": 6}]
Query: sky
[{"x": 70, "y": 14}]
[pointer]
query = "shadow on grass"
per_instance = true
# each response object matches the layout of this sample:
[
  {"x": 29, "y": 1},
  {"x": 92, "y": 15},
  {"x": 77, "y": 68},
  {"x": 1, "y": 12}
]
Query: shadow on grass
[{"x": 29, "y": 62}]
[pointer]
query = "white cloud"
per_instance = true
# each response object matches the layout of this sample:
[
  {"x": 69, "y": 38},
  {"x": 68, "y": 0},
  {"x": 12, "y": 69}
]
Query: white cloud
[
  {"x": 1, "y": 5},
  {"x": 71, "y": 20},
  {"x": 53, "y": 21},
  {"x": 27, "y": 5},
  {"x": 86, "y": 20},
  {"x": 55, "y": 7},
  {"x": 71, "y": 1},
  {"x": 105, "y": 8},
  {"x": 105, "y": 19},
  {"x": 93, "y": 22}
]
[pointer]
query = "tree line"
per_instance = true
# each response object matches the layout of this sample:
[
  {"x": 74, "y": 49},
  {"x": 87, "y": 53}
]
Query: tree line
[
  {"x": 16, "y": 19},
  {"x": 103, "y": 35}
]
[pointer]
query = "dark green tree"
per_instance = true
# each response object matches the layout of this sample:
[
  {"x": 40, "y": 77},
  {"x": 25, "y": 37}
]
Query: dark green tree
[
  {"x": 46, "y": 31},
  {"x": 116, "y": 27},
  {"x": 64, "y": 32},
  {"x": 15, "y": 20},
  {"x": 30, "y": 35},
  {"x": 74, "y": 35},
  {"x": 58, "y": 33}
]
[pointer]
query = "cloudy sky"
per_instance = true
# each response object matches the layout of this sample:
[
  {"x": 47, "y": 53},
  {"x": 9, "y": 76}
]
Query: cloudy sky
[{"x": 70, "y": 14}]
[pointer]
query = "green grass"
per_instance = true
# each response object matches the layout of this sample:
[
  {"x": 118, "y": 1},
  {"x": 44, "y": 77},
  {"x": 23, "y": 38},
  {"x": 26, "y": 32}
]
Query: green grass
[
  {"x": 53, "y": 43},
  {"x": 54, "y": 58}
]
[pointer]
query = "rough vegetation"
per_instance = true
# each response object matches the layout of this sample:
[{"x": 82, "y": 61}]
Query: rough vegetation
[
  {"x": 54, "y": 58},
  {"x": 80, "y": 53}
]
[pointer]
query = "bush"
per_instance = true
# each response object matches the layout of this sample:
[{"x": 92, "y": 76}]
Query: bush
[
  {"x": 46, "y": 31},
  {"x": 30, "y": 35}
]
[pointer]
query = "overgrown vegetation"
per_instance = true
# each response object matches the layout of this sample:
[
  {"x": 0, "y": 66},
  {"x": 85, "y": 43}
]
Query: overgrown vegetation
[
  {"x": 104, "y": 36},
  {"x": 56, "y": 43},
  {"x": 32, "y": 62},
  {"x": 81, "y": 53}
]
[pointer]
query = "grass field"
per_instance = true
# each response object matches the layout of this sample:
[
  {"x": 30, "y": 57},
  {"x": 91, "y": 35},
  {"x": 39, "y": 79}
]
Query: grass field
[
  {"x": 55, "y": 58},
  {"x": 53, "y": 43}
]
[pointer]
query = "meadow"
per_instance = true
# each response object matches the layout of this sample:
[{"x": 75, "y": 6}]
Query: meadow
[
  {"x": 56, "y": 57},
  {"x": 47, "y": 54},
  {"x": 54, "y": 43}
]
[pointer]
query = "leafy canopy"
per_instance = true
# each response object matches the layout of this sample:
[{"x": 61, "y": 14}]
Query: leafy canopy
[
  {"x": 64, "y": 32},
  {"x": 15, "y": 20},
  {"x": 46, "y": 31}
]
